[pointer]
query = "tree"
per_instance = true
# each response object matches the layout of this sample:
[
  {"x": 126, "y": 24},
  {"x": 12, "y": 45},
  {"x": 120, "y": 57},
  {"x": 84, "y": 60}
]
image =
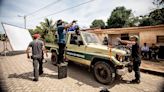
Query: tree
[
  {"x": 32, "y": 32},
  {"x": 158, "y": 3},
  {"x": 132, "y": 22},
  {"x": 155, "y": 17},
  {"x": 47, "y": 26},
  {"x": 98, "y": 23},
  {"x": 46, "y": 30},
  {"x": 161, "y": 1},
  {"x": 120, "y": 17},
  {"x": 145, "y": 21}
]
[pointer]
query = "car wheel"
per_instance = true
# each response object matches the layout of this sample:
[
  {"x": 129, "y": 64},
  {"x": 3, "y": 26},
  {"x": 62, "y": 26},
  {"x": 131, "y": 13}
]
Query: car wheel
[
  {"x": 103, "y": 73},
  {"x": 54, "y": 58}
]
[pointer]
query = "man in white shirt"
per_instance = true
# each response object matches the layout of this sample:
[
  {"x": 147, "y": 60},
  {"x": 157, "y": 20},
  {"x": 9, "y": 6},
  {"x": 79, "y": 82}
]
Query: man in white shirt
[{"x": 145, "y": 50}]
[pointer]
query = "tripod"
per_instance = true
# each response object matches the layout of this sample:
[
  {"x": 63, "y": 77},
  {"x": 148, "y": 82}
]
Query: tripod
[{"x": 5, "y": 48}]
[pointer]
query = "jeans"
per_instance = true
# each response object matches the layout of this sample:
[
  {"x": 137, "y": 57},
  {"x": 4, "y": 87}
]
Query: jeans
[
  {"x": 61, "y": 52},
  {"x": 136, "y": 65},
  {"x": 153, "y": 55},
  {"x": 144, "y": 54},
  {"x": 37, "y": 70}
]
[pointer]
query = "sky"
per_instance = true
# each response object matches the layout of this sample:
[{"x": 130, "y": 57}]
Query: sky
[{"x": 11, "y": 10}]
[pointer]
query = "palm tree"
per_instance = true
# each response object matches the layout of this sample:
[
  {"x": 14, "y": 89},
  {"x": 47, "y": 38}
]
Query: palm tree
[
  {"x": 48, "y": 30},
  {"x": 48, "y": 27},
  {"x": 40, "y": 31}
]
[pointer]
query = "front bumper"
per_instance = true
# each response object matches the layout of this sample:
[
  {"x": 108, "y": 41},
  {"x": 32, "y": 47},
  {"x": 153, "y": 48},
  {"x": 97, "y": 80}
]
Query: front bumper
[{"x": 122, "y": 71}]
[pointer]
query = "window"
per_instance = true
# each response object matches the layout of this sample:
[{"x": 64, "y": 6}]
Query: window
[
  {"x": 124, "y": 36},
  {"x": 76, "y": 39},
  {"x": 90, "y": 38},
  {"x": 160, "y": 39}
]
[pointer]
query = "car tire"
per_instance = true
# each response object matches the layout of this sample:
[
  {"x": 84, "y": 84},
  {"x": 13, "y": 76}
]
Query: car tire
[
  {"x": 54, "y": 58},
  {"x": 103, "y": 73}
]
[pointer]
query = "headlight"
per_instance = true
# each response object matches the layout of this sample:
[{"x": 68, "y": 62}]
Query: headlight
[
  {"x": 119, "y": 58},
  {"x": 122, "y": 58}
]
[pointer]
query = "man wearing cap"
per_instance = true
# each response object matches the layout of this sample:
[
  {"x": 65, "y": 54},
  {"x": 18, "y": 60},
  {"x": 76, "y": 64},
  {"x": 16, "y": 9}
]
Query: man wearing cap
[
  {"x": 61, "y": 30},
  {"x": 135, "y": 55},
  {"x": 37, "y": 55}
]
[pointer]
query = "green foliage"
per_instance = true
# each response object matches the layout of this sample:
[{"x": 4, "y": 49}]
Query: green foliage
[
  {"x": 158, "y": 3},
  {"x": 155, "y": 17},
  {"x": 46, "y": 30},
  {"x": 47, "y": 26},
  {"x": 146, "y": 21},
  {"x": 132, "y": 22},
  {"x": 32, "y": 32},
  {"x": 98, "y": 23},
  {"x": 49, "y": 38},
  {"x": 120, "y": 17}
]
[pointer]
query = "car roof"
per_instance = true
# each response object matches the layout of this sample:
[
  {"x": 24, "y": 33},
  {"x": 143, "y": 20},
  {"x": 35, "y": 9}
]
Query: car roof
[{"x": 73, "y": 32}]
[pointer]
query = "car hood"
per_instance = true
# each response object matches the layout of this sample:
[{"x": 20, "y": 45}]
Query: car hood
[{"x": 102, "y": 48}]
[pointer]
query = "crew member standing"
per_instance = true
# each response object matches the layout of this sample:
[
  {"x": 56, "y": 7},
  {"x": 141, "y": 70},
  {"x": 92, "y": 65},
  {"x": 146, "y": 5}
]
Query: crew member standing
[
  {"x": 135, "y": 55},
  {"x": 37, "y": 55},
  {"x": 61, "y": 30}
]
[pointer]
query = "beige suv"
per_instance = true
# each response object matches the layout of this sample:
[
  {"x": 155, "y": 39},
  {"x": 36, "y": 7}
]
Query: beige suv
[{"x": 86, "y": 49}]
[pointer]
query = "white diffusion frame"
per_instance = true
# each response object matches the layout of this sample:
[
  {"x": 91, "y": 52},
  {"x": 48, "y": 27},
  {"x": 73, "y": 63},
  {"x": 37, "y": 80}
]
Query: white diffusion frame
[{"x": 19, "y": 38}]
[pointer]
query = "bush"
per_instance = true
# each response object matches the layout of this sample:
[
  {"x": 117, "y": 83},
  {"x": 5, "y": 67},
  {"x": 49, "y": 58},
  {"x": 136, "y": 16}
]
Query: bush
[{"x": 50, "y": 38}]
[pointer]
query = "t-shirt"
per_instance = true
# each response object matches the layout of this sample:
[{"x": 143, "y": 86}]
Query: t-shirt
[
  {"x": 135, "y": 52},
  {"x": 145, "y": 48},
  {"x": 37, "y": 51},
  {"x": 73, "y": 28},
  {"x": 154, "y": 49},
  {"x": 61, "y": 34}
]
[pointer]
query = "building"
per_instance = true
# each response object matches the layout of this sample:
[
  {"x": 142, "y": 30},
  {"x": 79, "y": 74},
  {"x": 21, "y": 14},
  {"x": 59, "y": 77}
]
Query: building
[{"x": 147, "y": 34}]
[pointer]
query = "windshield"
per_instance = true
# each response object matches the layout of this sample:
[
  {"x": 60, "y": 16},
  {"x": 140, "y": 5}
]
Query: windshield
[{"x": 90, "y": 37}]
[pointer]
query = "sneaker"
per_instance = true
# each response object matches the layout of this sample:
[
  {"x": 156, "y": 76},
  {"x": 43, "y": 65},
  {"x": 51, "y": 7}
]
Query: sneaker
[
  {"x": 138, "y": 81},
  {"x": 40, "y": 73},
  {"x": 135, "y": 81},
  {"x": 35, "y": 80}
]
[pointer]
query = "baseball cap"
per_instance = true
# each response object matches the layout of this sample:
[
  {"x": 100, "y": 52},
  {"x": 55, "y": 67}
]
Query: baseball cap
[
  {"x": 59, "y": 22},
  {"x": 36, "y": 36}
]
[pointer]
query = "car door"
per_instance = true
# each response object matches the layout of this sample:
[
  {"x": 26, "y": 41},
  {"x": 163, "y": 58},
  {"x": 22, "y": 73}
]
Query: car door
[{"x": 76, "y": 49}]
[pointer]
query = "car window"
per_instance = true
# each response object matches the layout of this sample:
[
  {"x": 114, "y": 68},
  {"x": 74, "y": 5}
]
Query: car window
[
  {"x": 91, "y": 37},
  {"x": 76, "y": 39}
]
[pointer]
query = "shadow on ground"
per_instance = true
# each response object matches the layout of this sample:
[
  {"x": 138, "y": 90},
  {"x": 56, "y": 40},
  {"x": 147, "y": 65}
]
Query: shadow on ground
[
  {"x": 29, "y": 76},
  {"x": 79, "y": 73},
  {"x": 11, "y": 53},
  {"x": 3, "y": 87},
  {"x": 83, "y": 76}
]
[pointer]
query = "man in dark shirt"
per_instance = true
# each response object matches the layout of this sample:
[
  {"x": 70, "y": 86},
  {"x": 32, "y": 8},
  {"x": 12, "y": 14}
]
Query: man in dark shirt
[
  {"x": 37, "y": 55},
  {"x": 105, "y": 41},
  {"x": 154, "y": 50},
  {"x": 135, "y": 55},
  {"x": 61, "y": 30}
]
